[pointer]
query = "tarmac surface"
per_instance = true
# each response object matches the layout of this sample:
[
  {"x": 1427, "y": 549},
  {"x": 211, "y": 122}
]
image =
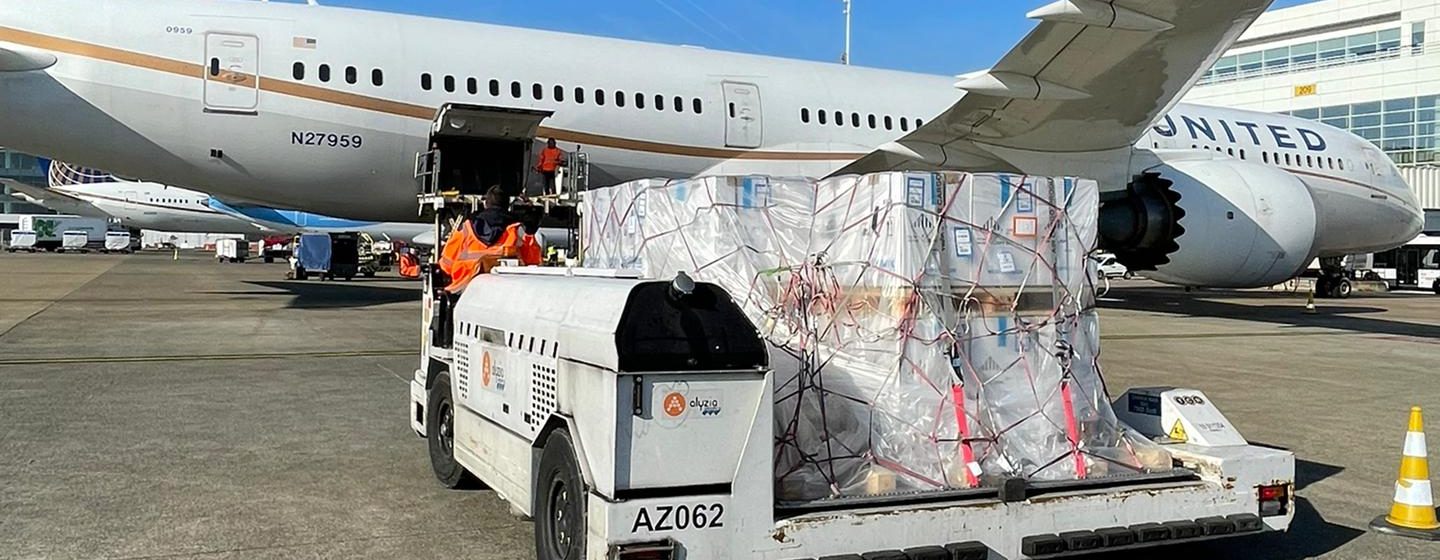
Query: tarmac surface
[{"x": 153, "y": 408}]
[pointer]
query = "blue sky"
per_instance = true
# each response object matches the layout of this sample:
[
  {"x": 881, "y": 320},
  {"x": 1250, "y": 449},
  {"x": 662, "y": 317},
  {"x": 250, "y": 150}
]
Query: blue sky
[{"x": 935, "y": 36}]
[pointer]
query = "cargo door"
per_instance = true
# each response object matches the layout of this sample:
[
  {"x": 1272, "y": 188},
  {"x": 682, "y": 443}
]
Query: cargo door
[
  {"x": 743, "y": 125},
  {"x": 232, "y": 83}
]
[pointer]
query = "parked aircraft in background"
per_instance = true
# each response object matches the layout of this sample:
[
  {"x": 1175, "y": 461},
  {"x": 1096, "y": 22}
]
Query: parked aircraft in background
[
  {"x": 143, "y": 205},
  {"x": 323, "y": 109}
]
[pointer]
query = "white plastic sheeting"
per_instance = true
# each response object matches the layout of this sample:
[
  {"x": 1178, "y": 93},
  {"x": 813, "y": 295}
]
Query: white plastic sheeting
[{"x": 928, "y": 331}]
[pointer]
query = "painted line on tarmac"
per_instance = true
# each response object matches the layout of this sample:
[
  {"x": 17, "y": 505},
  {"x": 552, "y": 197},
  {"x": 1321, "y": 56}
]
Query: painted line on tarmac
[
  {"x": 1220, "y": 335},
  {"x": 203, "y": 357}
]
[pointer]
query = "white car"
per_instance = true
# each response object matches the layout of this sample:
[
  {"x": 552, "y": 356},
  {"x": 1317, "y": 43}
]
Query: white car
[{"x": 1111, "y": 267}]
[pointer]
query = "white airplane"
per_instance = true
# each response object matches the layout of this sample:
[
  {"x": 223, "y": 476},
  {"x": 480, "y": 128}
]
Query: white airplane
[
  {"x": 143, "y": 205},
  {"x": 323, "y": 109},
  {"x": 134, "y": 204}
]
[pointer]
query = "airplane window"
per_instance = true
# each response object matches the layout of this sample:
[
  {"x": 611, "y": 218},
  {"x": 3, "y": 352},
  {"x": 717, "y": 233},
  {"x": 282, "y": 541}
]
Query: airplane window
[
  {"x": 1230, "y": 151},
  {"x": 679, "y": 104},
  {"x": 425, "y": 82},
  {"x": 804, "y": 115},
  {"x": 299, "y": 70},
  {"x": 580, "y": 95},
  {"x": 1287, "y": 159},
  {"x": 698, "y": 106},
  {"x": 822, "y": 113},
  {"x": 560, "y": 93},
  {"x": 905, "y": 124},
  {"x": 537, "y": 91},
  {"x": 872, "y": 121},
  {"x": 450, "y": 83},
  {"x": 639, "y": 101},
  {"x": 351, "y": 75},
  {"x": 495, "y": 88},
  {"x": 377, "y": 77},
  {"x": 214, "y": 67},
  {"x": 919, "y": 123},
  {"x": 1330, "y": 162},
  {"x": 599, "y": 97},
  {"x": 839, "y": 118},
  {"x": 325, "y": 73},
  {"x": 1309, "y": 162},
  {"x": 472, "y": 85},
  {"x": 1342, "y": 165},
  {"x": 659, "y": 102},
  {"x": 515, "y": 90},
  {"x": 889, "y": 123},
  {"x": 619, "y": 99},
  {"x": 855, "y": 120}
]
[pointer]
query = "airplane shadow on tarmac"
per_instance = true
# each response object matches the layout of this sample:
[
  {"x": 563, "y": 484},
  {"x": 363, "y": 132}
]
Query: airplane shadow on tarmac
[
  {"x": 1285, "y": 309},
  {"x": 332, "y": 294},
  {"x": 1310, "y": 534}
]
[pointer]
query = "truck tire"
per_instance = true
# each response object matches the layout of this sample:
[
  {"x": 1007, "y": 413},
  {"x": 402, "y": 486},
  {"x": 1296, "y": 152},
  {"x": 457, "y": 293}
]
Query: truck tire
[
  {"x": 559, "y": 510},
  {"x": 1342, "y": 289},
  {"x": 1436, "y": 287},
  {"x": 440, "y": 427}
]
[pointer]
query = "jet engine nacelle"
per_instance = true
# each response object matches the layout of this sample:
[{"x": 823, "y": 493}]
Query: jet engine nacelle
[{"x": 1214, "y": 222}]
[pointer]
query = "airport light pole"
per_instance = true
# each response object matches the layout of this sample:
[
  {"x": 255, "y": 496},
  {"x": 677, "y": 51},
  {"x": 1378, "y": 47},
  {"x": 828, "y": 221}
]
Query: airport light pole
[{"x": 845, "y": 57}]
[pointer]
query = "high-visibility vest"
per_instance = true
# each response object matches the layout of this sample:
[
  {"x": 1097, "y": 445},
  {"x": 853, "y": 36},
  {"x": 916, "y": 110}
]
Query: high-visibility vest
[
  {"x": 465, "y": 256},
  {"x": 550, "y": 159},
  {"x": 409, "y": 266}
]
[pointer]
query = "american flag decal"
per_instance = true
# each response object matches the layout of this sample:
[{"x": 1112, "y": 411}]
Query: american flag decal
[{"x": 305, "y": 42}]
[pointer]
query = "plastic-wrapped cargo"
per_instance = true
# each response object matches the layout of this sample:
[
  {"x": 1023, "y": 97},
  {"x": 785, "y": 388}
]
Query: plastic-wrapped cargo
[{"x": 928, "y": 331}]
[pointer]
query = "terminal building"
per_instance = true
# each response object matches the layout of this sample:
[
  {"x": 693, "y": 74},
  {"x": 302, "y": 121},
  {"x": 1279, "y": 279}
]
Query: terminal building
[
  {"x": 26, "y": 169},
  {"x": 1368, "y": 66}
]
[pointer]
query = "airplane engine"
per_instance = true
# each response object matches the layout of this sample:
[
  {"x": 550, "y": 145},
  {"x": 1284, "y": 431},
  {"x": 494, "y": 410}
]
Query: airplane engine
[{"x": 1215, "y": 223}]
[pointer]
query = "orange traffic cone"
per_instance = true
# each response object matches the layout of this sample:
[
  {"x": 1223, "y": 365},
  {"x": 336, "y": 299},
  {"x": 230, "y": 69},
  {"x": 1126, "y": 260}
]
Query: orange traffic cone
[{"x": 1413, "y": 514}]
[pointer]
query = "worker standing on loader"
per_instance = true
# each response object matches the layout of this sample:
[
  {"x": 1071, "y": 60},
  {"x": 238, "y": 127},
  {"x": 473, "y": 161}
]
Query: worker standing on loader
[
  {"x": 551, "y": 158},
  {"x": 487, "y": 236}
]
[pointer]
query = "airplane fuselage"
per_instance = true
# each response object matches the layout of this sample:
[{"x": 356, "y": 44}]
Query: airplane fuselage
[
  {"x": 324, "y": 108},
  {"x": 158, "y": 208}
]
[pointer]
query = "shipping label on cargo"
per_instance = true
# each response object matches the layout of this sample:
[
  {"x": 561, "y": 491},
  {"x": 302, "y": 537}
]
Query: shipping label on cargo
[
  {"x": 963, "y": 242},
  {"x": 1025, "y": 226},
  {"x": 1025, "y": 203},
  {"x": 1004, "y": 262},
  {"x": 915, "y": 192}
]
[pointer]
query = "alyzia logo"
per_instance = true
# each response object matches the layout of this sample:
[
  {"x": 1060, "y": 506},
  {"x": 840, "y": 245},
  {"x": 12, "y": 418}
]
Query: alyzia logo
[{"x": 706, "y": 406}]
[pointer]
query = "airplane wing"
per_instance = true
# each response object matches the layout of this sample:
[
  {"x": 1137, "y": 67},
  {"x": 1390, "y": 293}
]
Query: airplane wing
[
  {"x": 54, "y": 200},
  {"x": 1074, "y": 96}
]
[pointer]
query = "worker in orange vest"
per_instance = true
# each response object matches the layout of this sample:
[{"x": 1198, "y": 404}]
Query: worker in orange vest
[
  {"x": 486, "y": 237},
  {"x": 550, "y": 159},
  {"x": 409, "y": 264}
]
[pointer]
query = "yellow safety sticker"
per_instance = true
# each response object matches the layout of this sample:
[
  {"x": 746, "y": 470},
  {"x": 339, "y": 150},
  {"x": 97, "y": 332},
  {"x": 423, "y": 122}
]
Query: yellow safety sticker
[{"x": 1177, "y": 433}]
